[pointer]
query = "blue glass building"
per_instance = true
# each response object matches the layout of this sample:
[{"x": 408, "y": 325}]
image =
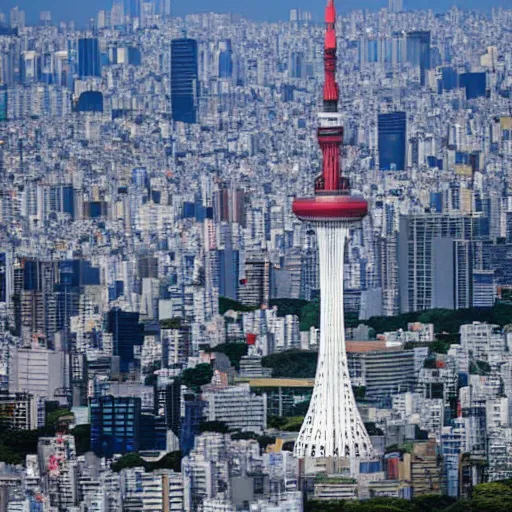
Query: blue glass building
[
  {"x": 3, "y": 103},
  {"x": 392, "y": 134},
  {"x": 191, "y": 425},
  {"x": 226, "y": 59},
  {"x": 127, "y": 334},
  {"x": 184, "y": 80},
  {"x": 229, "y": 260},
  {"x": 474, "y": 83},
  {"x": 89, "y": 58},
  {"x": 115, "y": 425},
  {"x": 418, "y": 51}
]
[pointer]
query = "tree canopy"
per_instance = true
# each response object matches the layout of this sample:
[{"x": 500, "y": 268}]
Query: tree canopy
[{"x": 196, "y": 377}]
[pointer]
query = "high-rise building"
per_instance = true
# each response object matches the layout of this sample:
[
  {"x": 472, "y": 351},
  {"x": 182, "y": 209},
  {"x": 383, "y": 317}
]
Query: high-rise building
[
  {"x": 176, "y": 347},
  {"x": 18, "y": 411},
  {"x": 191, "y": 424},
  {"x": 229, "y": 265},
  {"x": 254, "y": 290},
  {"x": 127, "y": 334},
  {"x": 434, "y": 261},
  {"x": 418, "y": 51},
  {"x": 89, "y": 58},
  {"x": 474, "y": 83},
  {"x": 115, "y": 425},
  {"x": 333, "y": 426},
  {"x": 225, "y": 59},
  {"x": 392, "y": 129},
  {"x": 3, "y": 103},
  {"x": 184, "y": 80},
  {"x": 6, "y": 275}
]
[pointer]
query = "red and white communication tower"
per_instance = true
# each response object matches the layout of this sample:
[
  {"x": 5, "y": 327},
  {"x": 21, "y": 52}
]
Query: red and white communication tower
[{"x": 333, "y": 425}]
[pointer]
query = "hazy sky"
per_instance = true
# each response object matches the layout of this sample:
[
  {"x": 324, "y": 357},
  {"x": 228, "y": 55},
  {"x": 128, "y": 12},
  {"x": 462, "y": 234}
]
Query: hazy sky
[{"x": 81, "y": 10}]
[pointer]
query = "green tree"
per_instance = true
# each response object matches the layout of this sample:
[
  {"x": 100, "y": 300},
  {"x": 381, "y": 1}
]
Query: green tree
[
  {"x": 292, "y": 364},
  {"x": 172, "y": 461},
  {"x": 433, "y": 503},
  {"x": 289, "y": 306},
  {"x": 82, "y": 435},
  {"x": 130, "y": 460},
  {"x": 293, "y": 424},
  {"x": 171, "y": 323},
  {"x": 276, "y": 422},
  {"x": 310, "y": 315},
  {"x": 53, "y": 417},
  {"x": 324, "y": 506},
  {"x": 491, "y": 497},
  {"x": 196, "y": 377},
  {"x": 226, "y": 305}
]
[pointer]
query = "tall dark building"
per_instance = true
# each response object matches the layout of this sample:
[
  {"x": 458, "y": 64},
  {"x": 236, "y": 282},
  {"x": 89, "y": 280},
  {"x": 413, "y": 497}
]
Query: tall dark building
[
  {"x": 127, "y": 334},
  {"x": 254, "y": 290},
  {"x": 89, "y": 59},
  {"x": 392, "y": 140},
  {"x": 418, "y": 51},
  {"x": 474, "y": 83},
  {"x": 184, "y": 80},
  {"x": 191, "y": 424},
  {"x": 115, "y": 425},
  {"x": 3, "y": 103},
  {"x": 168, "y": 404}
]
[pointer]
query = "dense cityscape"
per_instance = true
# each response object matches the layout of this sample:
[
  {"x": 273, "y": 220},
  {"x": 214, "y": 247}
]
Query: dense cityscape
[{"x": 195, "y": 211}]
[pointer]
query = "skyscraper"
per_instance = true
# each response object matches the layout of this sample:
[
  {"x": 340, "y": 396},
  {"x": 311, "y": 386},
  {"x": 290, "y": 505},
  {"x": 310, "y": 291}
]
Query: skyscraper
[
  {"x": 435, "y": 261},
  {"x": 115, "y": 424},
  {"x": 225, "y": 59},
  {"x": 418, "y": 51},
  {"x": 89, "y": 61},
  {"x": 333, "y": 426},
  {"x": 255, "y": 288},
  {"x": 184, "y": 80},
  {"x": 3, "y": 103},
  {"x": 392, "y": 141},
  {"x": 127, "y": 334}
]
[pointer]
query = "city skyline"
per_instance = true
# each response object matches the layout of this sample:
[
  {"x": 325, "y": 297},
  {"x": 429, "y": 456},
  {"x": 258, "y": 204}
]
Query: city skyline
[
  {"x": 262, "y": 11},
  {"x": 254, "y": 267}
]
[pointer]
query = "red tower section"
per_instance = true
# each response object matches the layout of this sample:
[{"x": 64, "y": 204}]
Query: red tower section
[{"x": 332, "y": 190}]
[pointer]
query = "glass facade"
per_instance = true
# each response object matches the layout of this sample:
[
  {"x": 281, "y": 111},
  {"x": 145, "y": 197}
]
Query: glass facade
[
  {"x": 89, "y": 59},
  {"x": 127, "y": 334},
  {"x": 392, "y": 141},
  {"x": 418, "y": 51},
  {"x": 474, "y": 83},
  {"x": 184, "y": 80},
  {"x": 115, "y": 425},
  {"x": 3, "y": 103}
]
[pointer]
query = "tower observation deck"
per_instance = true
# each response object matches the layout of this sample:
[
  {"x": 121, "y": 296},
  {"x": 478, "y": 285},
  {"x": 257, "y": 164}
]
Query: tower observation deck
[{"x": 333, "y": 426}]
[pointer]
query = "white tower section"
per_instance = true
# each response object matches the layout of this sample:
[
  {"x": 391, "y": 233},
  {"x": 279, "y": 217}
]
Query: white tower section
[{"x": 333, "y": 426}]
